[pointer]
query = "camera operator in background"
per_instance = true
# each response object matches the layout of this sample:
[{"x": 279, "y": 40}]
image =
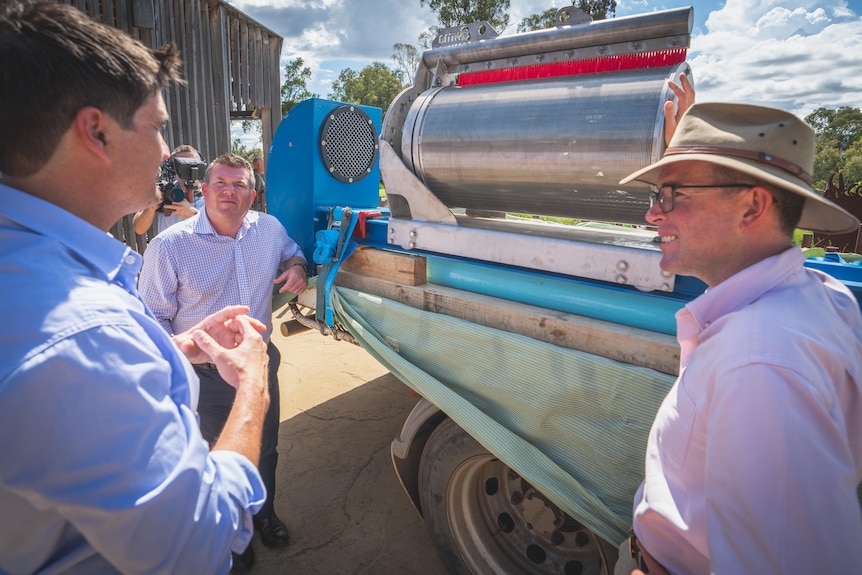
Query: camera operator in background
[{"x": 174, "y": 183}]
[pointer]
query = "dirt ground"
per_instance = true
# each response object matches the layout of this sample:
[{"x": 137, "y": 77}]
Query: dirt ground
[{"x": 337, "y": 492}]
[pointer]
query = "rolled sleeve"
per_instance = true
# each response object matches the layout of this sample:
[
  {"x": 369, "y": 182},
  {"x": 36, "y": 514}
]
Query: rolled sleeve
[{"x": 117, "y": 450}]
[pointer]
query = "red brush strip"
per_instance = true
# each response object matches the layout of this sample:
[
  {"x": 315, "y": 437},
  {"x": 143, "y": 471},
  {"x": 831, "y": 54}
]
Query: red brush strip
[{"x": 614, "y": 63}]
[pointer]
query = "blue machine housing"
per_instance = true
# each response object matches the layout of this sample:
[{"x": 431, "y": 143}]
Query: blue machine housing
[{"x": 324, "y": 155}]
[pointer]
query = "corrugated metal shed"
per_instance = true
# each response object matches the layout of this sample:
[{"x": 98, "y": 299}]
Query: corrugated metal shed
[{"x": 230, "y": 61}]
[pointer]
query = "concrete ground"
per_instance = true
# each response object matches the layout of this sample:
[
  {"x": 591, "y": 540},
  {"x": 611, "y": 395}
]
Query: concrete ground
[{"x": 337, "y": 492}]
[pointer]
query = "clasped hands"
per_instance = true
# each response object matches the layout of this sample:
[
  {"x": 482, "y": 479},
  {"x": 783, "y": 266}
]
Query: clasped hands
[{"x": 231, "y": 340}]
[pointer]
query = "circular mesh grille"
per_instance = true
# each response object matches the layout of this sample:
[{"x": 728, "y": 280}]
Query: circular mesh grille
[{"x": 348, "y": 144}]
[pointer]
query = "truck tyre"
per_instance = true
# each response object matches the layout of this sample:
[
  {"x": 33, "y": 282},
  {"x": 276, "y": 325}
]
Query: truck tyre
[{"x": 485, "y": 518}]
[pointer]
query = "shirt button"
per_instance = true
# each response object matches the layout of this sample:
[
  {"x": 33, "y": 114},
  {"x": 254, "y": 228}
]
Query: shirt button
[{"x": 130, "y": 259}]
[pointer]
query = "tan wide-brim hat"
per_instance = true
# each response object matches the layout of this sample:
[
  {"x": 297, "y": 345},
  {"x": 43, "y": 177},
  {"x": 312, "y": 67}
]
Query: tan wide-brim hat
[{"x": 766, "y": 143}]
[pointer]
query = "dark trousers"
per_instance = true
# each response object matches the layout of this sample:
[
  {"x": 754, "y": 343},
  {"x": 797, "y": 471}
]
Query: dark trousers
[{"x": 214, "y": 405}]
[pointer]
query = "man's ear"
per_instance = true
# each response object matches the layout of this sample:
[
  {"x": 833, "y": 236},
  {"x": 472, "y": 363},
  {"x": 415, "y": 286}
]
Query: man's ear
[
  {"x": 91, "y": 128},
  {"x": 758, "y": 200}
]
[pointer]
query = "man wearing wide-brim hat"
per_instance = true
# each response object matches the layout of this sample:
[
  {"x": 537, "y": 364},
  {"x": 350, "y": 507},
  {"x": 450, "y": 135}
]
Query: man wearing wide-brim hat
[{"x": 754, "y": 457}]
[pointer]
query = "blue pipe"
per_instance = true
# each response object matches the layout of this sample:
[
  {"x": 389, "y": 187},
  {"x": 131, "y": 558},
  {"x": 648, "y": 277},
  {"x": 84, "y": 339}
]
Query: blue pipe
[{"x": 608, "y": 302}]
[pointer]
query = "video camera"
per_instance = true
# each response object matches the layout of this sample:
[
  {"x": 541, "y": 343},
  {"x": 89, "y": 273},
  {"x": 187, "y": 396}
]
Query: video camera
[{"x": 189, "y": 171}]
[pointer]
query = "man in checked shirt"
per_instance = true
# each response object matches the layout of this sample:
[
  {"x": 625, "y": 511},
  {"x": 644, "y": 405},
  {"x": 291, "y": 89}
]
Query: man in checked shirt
[{"x": 227, "y": 254}]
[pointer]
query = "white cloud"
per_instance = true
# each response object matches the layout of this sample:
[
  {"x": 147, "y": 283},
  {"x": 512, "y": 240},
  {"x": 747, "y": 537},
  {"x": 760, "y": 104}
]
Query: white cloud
[
  {"x": 794, "y": 54},
  {"x": 799, "y": 56},
  {"x": 783, "y": 23}
]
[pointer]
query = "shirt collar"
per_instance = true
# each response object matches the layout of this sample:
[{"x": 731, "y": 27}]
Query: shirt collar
[
  {"x": 204, "y": 226},
  {"x": 101, "y": 251},
  {"x": 745, "y": 286}
]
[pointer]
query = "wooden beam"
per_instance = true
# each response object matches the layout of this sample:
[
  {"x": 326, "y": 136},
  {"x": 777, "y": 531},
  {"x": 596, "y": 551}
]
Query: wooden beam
[
  {"x": 386, "y": 265},
  {"x": 143, "y": 13},
  {"x": 377, "y": 272}
]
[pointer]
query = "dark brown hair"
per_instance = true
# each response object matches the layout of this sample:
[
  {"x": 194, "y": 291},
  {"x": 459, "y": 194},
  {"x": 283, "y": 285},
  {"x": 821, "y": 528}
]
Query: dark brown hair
[
  {"x": 787, "y": 204},
  {"x": 231, "y": 160},
  {"x": 56, "y": 61},
  {"x": 186, "y": 148}
]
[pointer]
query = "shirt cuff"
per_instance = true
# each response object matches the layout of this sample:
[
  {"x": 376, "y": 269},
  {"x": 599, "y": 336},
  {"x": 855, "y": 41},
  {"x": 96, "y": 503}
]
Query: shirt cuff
[{"x": 241, "y": 477}]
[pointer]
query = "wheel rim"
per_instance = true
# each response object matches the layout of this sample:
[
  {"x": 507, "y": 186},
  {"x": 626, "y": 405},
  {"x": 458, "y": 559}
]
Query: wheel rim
[{"x": 502, "y": 523}]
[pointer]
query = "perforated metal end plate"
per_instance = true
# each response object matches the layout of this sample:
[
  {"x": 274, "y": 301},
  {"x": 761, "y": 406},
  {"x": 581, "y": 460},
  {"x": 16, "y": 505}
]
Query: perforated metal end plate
[{"x": 348, "y": 144}]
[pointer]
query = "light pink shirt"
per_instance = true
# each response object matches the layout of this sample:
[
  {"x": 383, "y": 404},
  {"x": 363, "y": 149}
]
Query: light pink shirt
[{"x": 754, "y": 457}]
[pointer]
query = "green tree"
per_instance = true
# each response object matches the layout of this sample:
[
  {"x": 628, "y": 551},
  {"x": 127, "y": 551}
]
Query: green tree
[
  {"x": 843, "y": 125},
  {"x": 454, "y": 12},
  {"x": 838, "y": 147},
  {"x": 406, "y": 58},
  {"x": 251, "y": 126},
  {"x": 237, "y": 147},
  {"x": 853, "y": 162},
  {"x": 540, "y": 21},
  {"x": 426, "y": 38},
  {"x": 597, "y": 9},
  {"x": 293, "y": 91},
  {"x": 295, "y": 86},
  {"x": 375, "y": 85},
  {"x": 827, "y": 161}
]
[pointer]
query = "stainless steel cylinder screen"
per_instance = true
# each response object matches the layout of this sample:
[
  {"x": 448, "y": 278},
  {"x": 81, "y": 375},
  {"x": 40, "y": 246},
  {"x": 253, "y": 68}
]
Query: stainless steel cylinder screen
[{"x": 550, "y": 146}]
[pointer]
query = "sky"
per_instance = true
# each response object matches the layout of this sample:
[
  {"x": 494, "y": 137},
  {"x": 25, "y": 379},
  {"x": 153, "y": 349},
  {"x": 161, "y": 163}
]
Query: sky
[{"x": 798, "y": 55}]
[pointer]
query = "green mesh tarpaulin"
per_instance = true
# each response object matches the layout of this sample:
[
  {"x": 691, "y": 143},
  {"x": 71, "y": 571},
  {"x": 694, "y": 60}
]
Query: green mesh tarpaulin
[{"x": 573, "y": 424}]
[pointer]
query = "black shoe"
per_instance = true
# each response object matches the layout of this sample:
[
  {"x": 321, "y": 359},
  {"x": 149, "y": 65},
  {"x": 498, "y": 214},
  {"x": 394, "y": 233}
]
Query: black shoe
[
  {"x": 272, "y": 531},
  {"x": 242, "y": 562}
]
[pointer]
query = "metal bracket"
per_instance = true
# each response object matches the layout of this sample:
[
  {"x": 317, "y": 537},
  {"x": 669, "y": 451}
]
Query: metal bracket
[
  {"x": 412, "y": 199},
  {"x": 605, "y": 255}
]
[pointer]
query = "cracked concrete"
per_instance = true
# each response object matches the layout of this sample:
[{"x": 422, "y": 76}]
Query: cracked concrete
[{"x": 337, "y": 490}]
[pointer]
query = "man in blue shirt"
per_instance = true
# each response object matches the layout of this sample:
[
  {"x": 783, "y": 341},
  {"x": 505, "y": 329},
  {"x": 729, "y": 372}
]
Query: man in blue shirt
[{"x": 104, "y": 469}]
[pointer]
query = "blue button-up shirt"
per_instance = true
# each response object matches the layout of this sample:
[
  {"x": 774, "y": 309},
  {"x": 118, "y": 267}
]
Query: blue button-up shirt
[{"x": 102, "y": 467}]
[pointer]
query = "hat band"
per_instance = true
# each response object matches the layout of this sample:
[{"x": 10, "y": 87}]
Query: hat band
[{"x": 760, "y": 157}]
